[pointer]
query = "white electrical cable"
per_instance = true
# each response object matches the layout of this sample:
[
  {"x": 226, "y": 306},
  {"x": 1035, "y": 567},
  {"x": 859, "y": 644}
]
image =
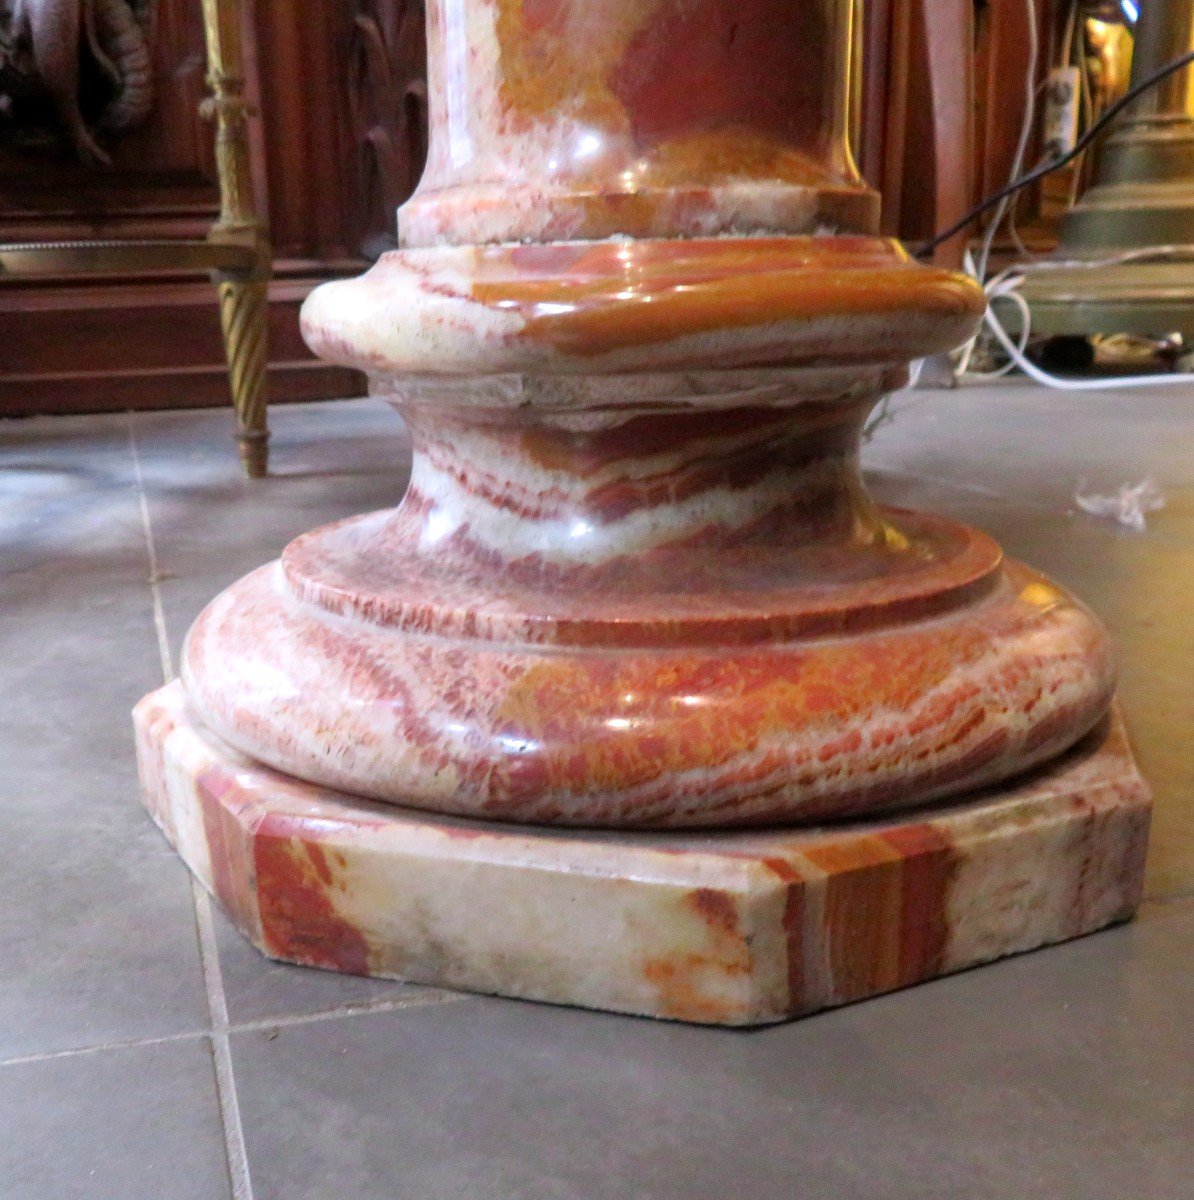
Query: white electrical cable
[
  {"x": 979, "y": 268},
  {"x": 1186, "y": 379},
  {"x": 1001, "y": 286},
  {"x": 1026, "y": 127},
  {"x": 1006, "y": 286}
]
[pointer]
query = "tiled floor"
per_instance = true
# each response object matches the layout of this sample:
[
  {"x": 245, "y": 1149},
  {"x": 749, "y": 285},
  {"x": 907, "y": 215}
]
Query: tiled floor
[{"x": 147, "y": 1052}]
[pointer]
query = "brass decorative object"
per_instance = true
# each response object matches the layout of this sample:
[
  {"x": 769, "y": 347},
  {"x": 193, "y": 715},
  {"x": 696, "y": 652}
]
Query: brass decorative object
[
  {"x": 236, "y": 252},
  {"x": 1142, "y": 197},
  {"x": 244, "y": 318},
  {"x": 244, "y": 300}
]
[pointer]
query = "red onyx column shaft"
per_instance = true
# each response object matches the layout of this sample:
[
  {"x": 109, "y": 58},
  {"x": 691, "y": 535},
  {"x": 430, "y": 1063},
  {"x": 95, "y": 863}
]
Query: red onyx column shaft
[
  {"x": 636, "y": 581},
  {"x": 559, "y": 119}
]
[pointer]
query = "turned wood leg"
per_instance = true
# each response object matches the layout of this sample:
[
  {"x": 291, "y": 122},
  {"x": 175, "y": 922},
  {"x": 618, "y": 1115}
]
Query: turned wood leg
[
  {"x": 244, "y": 316},
  {"x": 244, "y": 303}
]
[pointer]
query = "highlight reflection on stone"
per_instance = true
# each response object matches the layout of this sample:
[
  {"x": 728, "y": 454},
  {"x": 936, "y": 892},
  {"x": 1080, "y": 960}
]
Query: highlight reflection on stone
[{"x": 636, "y": 583}]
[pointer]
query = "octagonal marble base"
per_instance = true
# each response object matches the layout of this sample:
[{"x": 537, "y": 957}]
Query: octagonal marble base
[{"x": 736, "y": 928}]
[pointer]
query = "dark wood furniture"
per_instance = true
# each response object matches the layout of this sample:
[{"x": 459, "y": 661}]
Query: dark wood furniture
[
  {"x": 235, "y": 250},
  {"x": 328, "y": 163}
]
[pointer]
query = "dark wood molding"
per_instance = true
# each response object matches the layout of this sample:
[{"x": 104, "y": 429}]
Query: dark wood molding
[
  {"x": 167, "y": 161},
  {"x": 200, "y": 387},
  {"x": 918, "y": 135},
  {"x": 875, "y": 89},
  {"x": 145, "y": 344},
  {"x": 387, "y": 95},
  {"x": 339, "y": 144}
]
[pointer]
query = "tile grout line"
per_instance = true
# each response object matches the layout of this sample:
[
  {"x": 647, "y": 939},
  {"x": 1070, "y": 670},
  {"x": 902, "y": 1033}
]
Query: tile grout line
[
  {"x": 22, "y": 1060},
  {"x": 213, "y": 979},
  {"x": 151, "y": 553},
  {"x": 257, "y": 1025},
  {"x": 430, "y": 999},
  {"x": 221, "y": 1050}
]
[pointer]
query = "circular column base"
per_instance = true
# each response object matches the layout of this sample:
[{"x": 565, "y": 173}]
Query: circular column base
[
  {"x": 780, "y": 703},
  {"x": 731, "y": 928}
]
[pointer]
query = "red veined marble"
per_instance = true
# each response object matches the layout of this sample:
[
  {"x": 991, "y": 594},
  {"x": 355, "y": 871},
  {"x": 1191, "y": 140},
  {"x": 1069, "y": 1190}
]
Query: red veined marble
[
  {"x": 734, "y": 927},
  {"x": 645, "y": 307},
  {"x": 562, "y": 119},
  {"x": 637, "y": 320},
  {"x": 636, "y": 580},
  {"x": 654, "y": 620}
]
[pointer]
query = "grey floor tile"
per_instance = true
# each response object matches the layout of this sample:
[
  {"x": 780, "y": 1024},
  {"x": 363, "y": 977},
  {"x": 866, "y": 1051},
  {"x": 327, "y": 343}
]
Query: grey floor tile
[
  {"x": 67, "y": 497},
  {"x": 137, "y": 1123},
  {"x": 97, "y": 939},
  {"x": 258, "y": 989},
  {"x": 211, "y": 526},
  {"x": 63, "y": 445},
  {"x": 1028, "y": 442},
  {"x": 77, "y": 650},
  {"x": 340, "y": 455},
  {"x": 1059, "y": 1074}
]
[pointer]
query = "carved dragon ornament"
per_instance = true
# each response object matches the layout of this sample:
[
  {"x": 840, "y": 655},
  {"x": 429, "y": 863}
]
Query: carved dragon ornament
[{"x": 82, "y": 66}]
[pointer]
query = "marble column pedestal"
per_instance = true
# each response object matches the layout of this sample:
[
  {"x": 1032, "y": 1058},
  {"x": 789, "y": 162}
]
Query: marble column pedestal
[
  {"x": 636, "y": 700},
  {"x": 568, "y": 722},
  {"x": 729, "y": 928}
]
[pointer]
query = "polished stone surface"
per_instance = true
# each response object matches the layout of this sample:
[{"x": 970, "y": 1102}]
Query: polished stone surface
[
  {"x": 722, "y": 928},
  {"x": 694, "y": 708},
  {"x": 139, "y": 1122},
  {"x": 636, "y": 580},
  {"x": 552, "y": 119},
  {"x": 1064, "y": 1072},
  {"x": 855, "y": 309}
]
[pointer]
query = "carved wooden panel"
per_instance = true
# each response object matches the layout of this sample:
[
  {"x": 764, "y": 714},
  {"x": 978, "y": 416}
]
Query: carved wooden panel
[
  {"x": 916, "y": 142},
  {"x": 310, "y": 190},
  {"x": 388, "y": 96},
  {"x": 340, "y": 143},
  {"x": 162, "y": 179}
]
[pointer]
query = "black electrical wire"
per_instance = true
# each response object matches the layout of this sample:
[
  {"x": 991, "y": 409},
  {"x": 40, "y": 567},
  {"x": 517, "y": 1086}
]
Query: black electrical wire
[{"x": 1052, "y": 164}]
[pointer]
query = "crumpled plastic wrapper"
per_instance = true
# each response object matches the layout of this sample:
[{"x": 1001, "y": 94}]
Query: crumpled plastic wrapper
[{"x": 1128, "y": 506}]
